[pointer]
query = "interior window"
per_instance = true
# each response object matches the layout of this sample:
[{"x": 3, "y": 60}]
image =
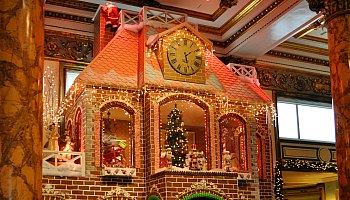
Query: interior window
[
  {"x": 71, "y": 75},
  {"x": 233, "y": 142},
  {"x": 117, "y": 140},
  {"x": 184, "y": 119},
  {"x": 305, "y": 120}
]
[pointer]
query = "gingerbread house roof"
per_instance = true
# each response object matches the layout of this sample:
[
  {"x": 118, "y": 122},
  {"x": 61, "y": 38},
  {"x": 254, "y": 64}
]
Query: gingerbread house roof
[{"x": 118, "y": 65}]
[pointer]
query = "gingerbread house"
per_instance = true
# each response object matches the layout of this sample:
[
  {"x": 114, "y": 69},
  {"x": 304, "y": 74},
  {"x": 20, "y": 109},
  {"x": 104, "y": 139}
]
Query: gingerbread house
[{"x": 158, "y": 72}]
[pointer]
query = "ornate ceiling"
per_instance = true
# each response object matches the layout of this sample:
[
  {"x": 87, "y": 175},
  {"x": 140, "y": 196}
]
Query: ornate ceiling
[{"x": 283, "y": 33}]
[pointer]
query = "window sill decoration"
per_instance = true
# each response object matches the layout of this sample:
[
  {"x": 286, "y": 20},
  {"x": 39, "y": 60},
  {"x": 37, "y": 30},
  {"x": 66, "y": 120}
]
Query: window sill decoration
[
  {"x": 115, "y": 171},
  {"x": 244, "y": 176}
]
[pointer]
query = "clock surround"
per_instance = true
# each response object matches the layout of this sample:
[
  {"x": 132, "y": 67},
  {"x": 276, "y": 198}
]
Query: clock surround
[
  {"x": 184, "y": 56},
  {"x": 169, "y": 66}
]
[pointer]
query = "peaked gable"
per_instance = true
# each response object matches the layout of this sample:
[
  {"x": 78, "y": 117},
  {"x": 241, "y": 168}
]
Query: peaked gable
[{"x": 178, "y": 27}]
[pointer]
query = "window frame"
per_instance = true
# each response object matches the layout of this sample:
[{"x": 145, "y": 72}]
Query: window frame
[
  {"x": 323, "y": 103},
  {"x": 65, "y": 67}
]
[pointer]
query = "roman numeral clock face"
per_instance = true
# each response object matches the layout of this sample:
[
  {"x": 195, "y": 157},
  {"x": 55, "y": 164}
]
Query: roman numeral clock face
[{"x": 184, "y": 56}]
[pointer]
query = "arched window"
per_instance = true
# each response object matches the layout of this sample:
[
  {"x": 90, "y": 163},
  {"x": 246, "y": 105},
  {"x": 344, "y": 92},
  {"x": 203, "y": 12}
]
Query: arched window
[
  {"x": 184, "y": 134},
  {"x": 77, "y": 131},
  {"x": 117, "y": 137},
  {"x": 234, "y": 141}
]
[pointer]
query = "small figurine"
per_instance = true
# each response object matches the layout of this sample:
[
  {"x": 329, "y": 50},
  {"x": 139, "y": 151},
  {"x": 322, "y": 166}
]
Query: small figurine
[
  {"x": 234, "y": 162},
  {"x": 53, "y": 138},
  {"x": 112, "y": 16},
  {"x": 68, "y": 146},
  {"x": 169, "y": 157},
  {"x": 188, "y": 159},
  {"x": 163, "y": 160},
  {"x": 118, "y": 154},
  {"x": 227, "y": 160},
  {"x": 201, "y": 161},
  {"x": 194, "y": 161}
]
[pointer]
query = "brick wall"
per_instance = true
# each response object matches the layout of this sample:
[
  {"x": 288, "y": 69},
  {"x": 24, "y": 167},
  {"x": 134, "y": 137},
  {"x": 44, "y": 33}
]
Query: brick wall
[
  {"x": 101, "y": 35},
  {"x": 266, "y": 182},
  {"x": 94, "y": 187},
  {"x": 169, "y": 183}
]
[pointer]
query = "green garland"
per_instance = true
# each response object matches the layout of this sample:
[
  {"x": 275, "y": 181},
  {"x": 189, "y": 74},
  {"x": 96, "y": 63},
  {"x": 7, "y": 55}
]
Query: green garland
[
  {"x": 298, "y": 165},
  {"x": 203, "y": 194},
  {"x": 310, "y": 165},
  {"x": 278, "y": 181},
  {"x": 153, "y": 197}
]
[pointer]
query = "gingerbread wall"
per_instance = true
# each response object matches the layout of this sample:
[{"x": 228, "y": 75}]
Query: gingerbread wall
[{"x": 144, "y": 103}]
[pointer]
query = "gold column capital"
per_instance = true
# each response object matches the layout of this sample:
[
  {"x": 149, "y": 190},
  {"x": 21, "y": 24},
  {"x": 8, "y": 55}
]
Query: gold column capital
[{"x": 330, "y": 8}]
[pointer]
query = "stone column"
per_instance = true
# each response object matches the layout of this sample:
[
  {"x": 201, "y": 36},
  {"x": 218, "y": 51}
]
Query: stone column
[
  {"x": 21, "y": 64},
  {"x": 337, "y": 14}
]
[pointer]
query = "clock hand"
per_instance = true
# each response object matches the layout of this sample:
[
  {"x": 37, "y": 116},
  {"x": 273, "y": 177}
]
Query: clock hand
[
  {"x": 186, "y": 57},
  {"x": 186, "y": 60},
  {"x": 188, "y": 53}
]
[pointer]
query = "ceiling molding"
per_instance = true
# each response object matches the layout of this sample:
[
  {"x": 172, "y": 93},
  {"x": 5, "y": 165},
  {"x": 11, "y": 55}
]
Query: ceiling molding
[
  {"x": 305, "y": 48},
  {"x": 299, "y": 58},
  {"x": 68, "y": 46},
  {"x": 67, "y": 35},
  {"x": 251, "y": 23},
  {"x": 308, "y": 29},
  {"x": 93, "y": 7},
  {"x": 69, "y": 17},
  {"x": 76, "y": 4},
  {"x": 315, "y": 39},
  {"x": 293, "y": 81},
  {"x": 232, "y": 21}
]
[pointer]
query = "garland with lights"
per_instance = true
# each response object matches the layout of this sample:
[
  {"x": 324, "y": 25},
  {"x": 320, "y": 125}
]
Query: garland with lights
[
  {"x": 176, "y": 139},
  {"x": 204, "y": 195},
  {"x": 278, "y": 181},
  {"x": 310, "y": 165},
  {"x": 299, "y": 165}
]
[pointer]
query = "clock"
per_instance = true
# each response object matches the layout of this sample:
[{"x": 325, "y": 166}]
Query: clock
[{"x": 184, "y": 56}]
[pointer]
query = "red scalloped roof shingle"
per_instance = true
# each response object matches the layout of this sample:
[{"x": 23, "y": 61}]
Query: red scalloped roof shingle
[{"x": 116, "y": 64}]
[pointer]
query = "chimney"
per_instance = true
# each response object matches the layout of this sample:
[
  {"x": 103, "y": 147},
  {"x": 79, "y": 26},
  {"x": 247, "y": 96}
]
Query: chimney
[{"x": 102, "y": 35}]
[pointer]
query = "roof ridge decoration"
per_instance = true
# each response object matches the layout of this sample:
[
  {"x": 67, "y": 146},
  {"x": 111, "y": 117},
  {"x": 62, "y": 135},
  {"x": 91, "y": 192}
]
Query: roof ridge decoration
[{"x": 153, "y": 39}]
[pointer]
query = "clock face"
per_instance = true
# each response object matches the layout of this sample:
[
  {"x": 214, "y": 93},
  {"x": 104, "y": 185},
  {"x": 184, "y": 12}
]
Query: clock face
[{"x": 184, "y": 56}]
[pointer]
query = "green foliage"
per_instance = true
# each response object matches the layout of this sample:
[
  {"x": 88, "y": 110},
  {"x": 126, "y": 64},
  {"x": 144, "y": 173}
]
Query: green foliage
[
  {"x": 153, "y": 197},
  {"x": 278, "y": 181},
  {"x": 176, "y": 139},
  {"x": 203, "y": 195}
]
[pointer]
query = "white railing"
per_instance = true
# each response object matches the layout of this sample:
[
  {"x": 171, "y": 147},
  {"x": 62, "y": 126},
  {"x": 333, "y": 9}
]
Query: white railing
[
  {"x": 62, "y": 163},
  {"x": 165, "y": 17},
  {"x": 128, "y": 17},
  {"x": 248, "y": 73}
]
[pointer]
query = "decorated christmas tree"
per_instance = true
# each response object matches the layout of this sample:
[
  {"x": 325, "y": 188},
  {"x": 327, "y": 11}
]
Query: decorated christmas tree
[{"x": 176, "y": 139}]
